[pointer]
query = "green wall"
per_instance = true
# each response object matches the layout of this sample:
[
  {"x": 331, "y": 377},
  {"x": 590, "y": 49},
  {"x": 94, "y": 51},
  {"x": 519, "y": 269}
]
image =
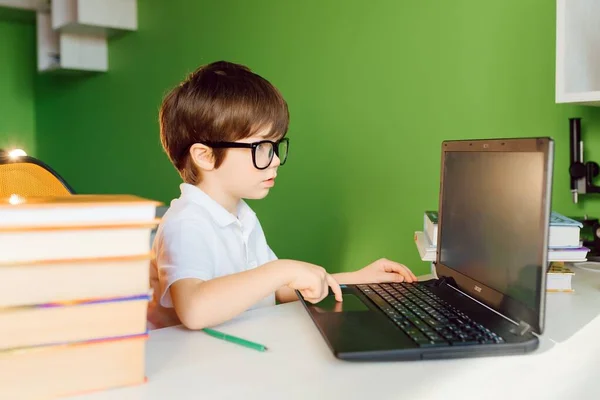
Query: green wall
[
  {"x": 373, "y": 89},
  {"x": 17, "y": 76}
]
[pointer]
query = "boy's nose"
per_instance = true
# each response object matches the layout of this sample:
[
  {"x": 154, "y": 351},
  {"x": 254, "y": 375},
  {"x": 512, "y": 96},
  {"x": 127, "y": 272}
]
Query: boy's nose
[{"x": 276, "y": 162}]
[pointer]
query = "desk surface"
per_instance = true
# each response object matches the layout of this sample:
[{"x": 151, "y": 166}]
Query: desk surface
[
  {"x": 184, "y": 364},
  {"x": 567, "y": 313}
]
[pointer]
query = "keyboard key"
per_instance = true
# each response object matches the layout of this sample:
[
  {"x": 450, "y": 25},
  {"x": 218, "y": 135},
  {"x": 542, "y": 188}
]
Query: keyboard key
[
  {"x": 434, "y": 336},
  {"x": 432, "y": 322},
  {"x": 425, "y": 329},
  {"x": 419, "y": 337},
  {"x": 413, "y": 331},
  {"x": 406, "y": 324},
  {"x": 418, "y": 323}
]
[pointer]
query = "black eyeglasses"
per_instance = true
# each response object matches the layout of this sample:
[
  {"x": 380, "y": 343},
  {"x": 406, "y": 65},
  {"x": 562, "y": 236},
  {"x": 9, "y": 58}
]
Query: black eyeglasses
[{"x": 262, "y": 151}]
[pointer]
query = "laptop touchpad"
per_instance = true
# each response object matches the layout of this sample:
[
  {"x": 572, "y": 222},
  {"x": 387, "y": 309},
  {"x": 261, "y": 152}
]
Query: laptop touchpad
[{"x": 350, "y": 303}]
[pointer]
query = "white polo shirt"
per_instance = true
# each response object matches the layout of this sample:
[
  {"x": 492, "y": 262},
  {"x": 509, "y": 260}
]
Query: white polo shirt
[{"x": 198, "y": 238}]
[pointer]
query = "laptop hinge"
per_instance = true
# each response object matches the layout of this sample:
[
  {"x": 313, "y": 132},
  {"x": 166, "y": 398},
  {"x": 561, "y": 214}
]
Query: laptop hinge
[
  {"x": 448, "y": 280},
  {"x": 522, "y": 329}
]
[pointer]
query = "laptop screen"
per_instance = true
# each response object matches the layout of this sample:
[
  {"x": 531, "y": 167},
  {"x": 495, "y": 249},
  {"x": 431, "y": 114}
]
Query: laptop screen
[{"x": 493, "y": 213}]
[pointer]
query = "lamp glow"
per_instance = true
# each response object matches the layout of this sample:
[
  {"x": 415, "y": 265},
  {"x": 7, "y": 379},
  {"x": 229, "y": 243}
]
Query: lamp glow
[
  {"x": 16, "y": 153},
  {"x": 15, "y": 199}
]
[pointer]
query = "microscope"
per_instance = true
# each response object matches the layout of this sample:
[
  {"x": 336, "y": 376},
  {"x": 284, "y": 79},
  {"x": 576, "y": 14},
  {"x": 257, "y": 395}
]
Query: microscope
[{"x": 582, "y": 175}]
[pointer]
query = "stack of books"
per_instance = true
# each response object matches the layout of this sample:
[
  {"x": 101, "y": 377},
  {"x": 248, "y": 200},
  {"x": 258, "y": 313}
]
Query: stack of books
[
  {"x": 563, "y": 242},
  {"x": 74, "y": 290},
  {"x": 564, "y": 245}
]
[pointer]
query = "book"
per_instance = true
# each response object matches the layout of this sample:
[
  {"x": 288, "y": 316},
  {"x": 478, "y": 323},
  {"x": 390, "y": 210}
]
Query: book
[
  {"x": 66, "y": 280},
  {"x": 56, "y": 323},
  {"x": 430, "y": 226},
  {"x": 573, "y": 254},
  {"x": 557, "y": 219},
  {"x": 427, "y": 251},
  {"x": 559, "y": 278},
  {"x": 29, "y": 244},
  {"x": 563, "y": 232},
  {"x": 72, "y": 369},
  {"x": 79, "y": 209}
]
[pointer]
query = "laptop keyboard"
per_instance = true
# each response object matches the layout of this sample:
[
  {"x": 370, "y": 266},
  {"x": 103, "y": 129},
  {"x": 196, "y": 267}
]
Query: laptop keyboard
[{"x": 425, "y": 318}]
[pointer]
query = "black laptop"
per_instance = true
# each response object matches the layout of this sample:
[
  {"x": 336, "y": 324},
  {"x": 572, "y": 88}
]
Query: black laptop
[{"x": 489, "y": 295}]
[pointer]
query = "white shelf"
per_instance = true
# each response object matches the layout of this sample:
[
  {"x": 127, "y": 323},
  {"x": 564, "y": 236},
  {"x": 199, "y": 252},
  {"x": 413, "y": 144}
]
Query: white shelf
[
  {"x": 48, "y": 49},
  {"x": 31, "y": 5},
  {"x": 66, "y": 51},
  {"x": 578, "y": 52},
  {"x": 94, "y": 17},
  {"x": 72, "y": 34}
]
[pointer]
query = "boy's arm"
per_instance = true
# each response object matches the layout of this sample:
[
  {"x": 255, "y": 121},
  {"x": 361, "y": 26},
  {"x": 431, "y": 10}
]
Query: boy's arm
[{"x": 199, "y": 304}]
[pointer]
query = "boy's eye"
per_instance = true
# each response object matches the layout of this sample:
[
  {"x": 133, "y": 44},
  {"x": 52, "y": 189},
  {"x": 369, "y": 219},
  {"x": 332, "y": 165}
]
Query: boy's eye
[
  {"x": 264, "y": 149},
  {"x": 263, "y": 155}
]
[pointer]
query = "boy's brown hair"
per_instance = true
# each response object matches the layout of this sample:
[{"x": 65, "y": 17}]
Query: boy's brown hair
[{"x": 219, "y": 102}]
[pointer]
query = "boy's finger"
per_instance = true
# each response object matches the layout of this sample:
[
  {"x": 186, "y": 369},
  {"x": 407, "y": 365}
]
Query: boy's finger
[
  {"x": 335, "y": 287},
  {"x": 310, "y": 297},
  {"x": 400, "y": 269},
  {"x": 413, "y": 276},
  {"x": 397, "y": 269},
  {"x": 393, "y": 277},
  {"x": 308, "y": 293}
]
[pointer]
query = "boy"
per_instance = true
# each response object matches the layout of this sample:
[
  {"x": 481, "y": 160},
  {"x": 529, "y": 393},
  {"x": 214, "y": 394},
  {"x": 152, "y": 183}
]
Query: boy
[{"x": 224, "y": 129}]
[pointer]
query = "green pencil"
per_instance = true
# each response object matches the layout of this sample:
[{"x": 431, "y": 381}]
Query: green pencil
[{"x": 235, "y": 339}]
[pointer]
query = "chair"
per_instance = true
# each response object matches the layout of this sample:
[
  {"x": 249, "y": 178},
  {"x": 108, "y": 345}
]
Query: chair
[{"x": 27, "y": 176}]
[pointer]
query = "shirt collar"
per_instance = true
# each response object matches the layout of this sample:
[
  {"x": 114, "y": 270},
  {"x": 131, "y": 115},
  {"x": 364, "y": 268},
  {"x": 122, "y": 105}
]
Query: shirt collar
[{"x": 222, "y": 217}]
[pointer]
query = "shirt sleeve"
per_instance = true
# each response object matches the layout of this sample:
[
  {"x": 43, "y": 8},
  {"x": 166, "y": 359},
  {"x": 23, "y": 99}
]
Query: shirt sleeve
[{"x": 184, "y": 251}]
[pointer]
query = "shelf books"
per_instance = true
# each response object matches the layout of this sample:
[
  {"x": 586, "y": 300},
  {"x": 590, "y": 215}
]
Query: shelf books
[{"x": 563, "y": 237}]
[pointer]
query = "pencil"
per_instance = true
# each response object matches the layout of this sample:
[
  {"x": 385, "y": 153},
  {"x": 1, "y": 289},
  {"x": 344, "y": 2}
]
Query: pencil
[{"x": 235, "y": 339}]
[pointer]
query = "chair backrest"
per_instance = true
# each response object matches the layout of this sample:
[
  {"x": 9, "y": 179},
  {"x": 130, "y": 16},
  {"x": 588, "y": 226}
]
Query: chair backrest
[{"x": 28, "y": 177}]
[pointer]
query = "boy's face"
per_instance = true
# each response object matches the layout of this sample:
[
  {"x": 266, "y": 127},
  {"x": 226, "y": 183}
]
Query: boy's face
[{"x": 238, "y": 175}]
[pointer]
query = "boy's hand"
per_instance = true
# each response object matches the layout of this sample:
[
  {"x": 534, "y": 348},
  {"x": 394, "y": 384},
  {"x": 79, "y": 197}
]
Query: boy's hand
[
  {"x": 313, "y": 282},
  {"x": 384, "y": 270}
]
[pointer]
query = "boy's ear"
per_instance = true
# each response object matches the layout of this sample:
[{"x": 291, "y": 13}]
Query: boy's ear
[{"x": 202, "y": 156}]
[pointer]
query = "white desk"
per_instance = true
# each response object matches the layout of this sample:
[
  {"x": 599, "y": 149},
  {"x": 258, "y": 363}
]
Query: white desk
[
  {"x": 568, "y": 313},
  {"x": 183, "y": 364}
]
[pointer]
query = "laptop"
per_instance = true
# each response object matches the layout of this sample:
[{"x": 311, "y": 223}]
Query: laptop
[{"x": 488, "y": 296}]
